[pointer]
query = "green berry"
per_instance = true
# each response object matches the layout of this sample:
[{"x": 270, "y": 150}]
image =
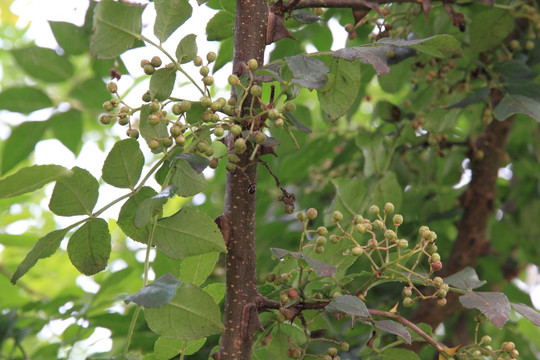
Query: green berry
[
  {"x": 273, "y": 114},
  {"x": 185, "y": 105},
  {"x": 337, "y": 216},
  {"x": 144, "y": 62},
  {"x": 321, "y": 230},
  {"x": 406, "y": 292},
  {"x": 301, "y": 216},
  {"x": 445, "y": 287},
  {"x": 133, "y": 133},
  {"x": 148, "y": 69},
  {"x": 216, "y": 106},
  {"x": 233, "y": 80},
  {"x": 219, "y": 131},
  {"x": 112, "y": 87},
  {"x": 435, "y": 257},
  {"x": 397, "y": 219},
  {"x": 207, "y": 116},
  {"x": 344, "y": 346},
  {"x": 515, "y": 45},
  {"x": 312, "y": 213},
  {"x": 374, "y": 210},
  {"x": 175, "y": 130},
  {"x": 260, "y": 137},
  {"x": 255, "y": 90},
  {"x": 332, "y": 351},
  {"x": 290, "y": 106},
  {"x": 209, "y": 152},
  {"x": 211, "y": 56},
  {"x": 403, "y": 243},
  {"x": 197, "y": 60},
  {"x": 153, "y": 144},
  {"x": 441, "y": 293},
  {"x": 154, "y": 119},
  {"x": 206, "y": 102},
  {"x": 108, "y": 106},
  {"x": 319, "y": 249},
  {"x": 423, "y": 229},
  {"x": 486, "y": 340},
  {"x": 180, "y": 140},
  {"x": 321, "y": 241},
  {"x": 208, "y": 80},
  {"x": 390, "y": 235},
  {"x": 233, "y": 158},
  {"x": 156, "y": 61},
  {"x": 252, "y": 64},
  {"x": 204, "y": 70},
  {"x": 408, "y": 302},
  {"x": 438, "y": 281},
  {"x": 529, "y": 45},
  {"x": 279, "y": 122},
  {"x": 214, "y": 163},
  {"x": 361, "y": 228},
  {"x": 202, "y": 146},
  {"x": 167, "y": 142},
  {"x": 336, "y": 294},
  {"x": 378, "y": 224},
  {"x": 240, "y": 146},
  {"x": 176, "y": 110},
  {"x": 388, "y": 208},
  {"x": 230, "y": 167},
  {"x": 105, "y": 119},
  {"x": 154, "y": 106},
  {"x": 236, "y": 129},
  {"x": 123, "y": 120},
  {"x": 334, "y": 239},
  {"x": 358, "y": 219},
  {"x": 146, "y": 97},
  {"x": 357, "y": 251}
]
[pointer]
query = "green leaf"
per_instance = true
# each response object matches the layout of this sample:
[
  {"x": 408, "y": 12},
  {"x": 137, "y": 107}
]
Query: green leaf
[
  {"x": 442, "y": 46},
  {"x": 216, "y": 290},
  {"x": 187, "y": 233},
  {"x": 396, "y": 353},
  {"x": 44, "y": 64},
  {"x": 21, "y": 143},
  {"x": 24, "y": 99},
  {"x": 170, "y": 15},
  {"x": 466, "y": 279},
  {"x": 89, "y": 247},
  {"x": 225, "y": 54},
  {"x": 341, "y": 89},
  {"x": 374, "y": 152},
  {"x": 68, "y": 128},
  {"x": 187, "y": 181},
  {"x": 126, "y": 218},
  {"x": 186, "y": 49},
  {"x": 151, "y": 207},
  {"x": 307, "y": 71},
  {"x": 157, "y": 293},
  {"x": 162, "y": 83},
  {"x": 489, "y": 28},
  {"x": 191, "y": 314},
  {"x": 393, "y": 327},
  {"x": 494, "y": 305},
  {"x": 29, "y": 179},
  {"x": 123, "y": 165},
  {"x": 117, "y": 25},
  {"x": 167, "y": 348},
  {"x": 220, "y": 26},
  {"x": 149, "y": 131},
  {"x": 71, "y": 38},
  {"x": 350, "y": 305},
  {"x": 44, "y": 247},
  {"x": 517, "y": 104},
  {"x": 196, "y": 269},
  {"x": 386, "y": 189},
  {"x": 196, "y": 161},
  {"x": 91, "y": 93},
  {"x": 74, "y": 194}
]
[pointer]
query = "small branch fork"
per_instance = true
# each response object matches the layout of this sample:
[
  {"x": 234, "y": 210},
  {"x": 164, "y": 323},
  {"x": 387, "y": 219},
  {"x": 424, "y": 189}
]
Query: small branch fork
[{"x": 294, "y": 310}]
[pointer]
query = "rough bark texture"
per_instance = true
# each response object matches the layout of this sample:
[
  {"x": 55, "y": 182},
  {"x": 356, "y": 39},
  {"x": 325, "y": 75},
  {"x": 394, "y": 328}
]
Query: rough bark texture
[
  {"x": 249, "y": 43},
  {"x": 478, "y": 206}
]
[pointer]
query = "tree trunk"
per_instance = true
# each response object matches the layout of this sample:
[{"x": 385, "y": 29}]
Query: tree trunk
[{"x": 240, "y": 318}]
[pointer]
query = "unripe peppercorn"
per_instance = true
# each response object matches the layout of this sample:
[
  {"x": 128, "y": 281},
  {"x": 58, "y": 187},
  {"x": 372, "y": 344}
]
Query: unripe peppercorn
[
  {"x": 361, "y": 228},
  {"x": 240, "y": 146},
  {"x": 486, "y": 340},
  {"x": 388, "y": 208},
  {"x": 167, "y": 142},
  {"x": 290, "y": 106},
  {"x": 214, "y": 163},
  {"x": 435, "y": 257},
  {"x": 390, "y": 235},
  {"x": 344, "y": 346},
  {"x": 332, "y": 351},
  {"x": 185, "y": 105},
  {"x": 133, "y": 133},
  {"x": 108, "y": 106},
  {"x": 236, "y": 129},
  {"x": 204, "y": 70},
  {"x": 180, "y": 140},
  {"x": 148, "y": 69},
  {"x": 197, "y": 60},
  {"x": 252, "y": 64},
  {"x": 208, "y": 80},
  {"x": 112, "y": 87},
  {"x": 438, "y": 281},
  {"x": 403, "y": 243},
  {"x": 406, "y": 292},
  {"x": 301, "y": 216},
  {"x": 273, "y": 114},
  {"x": 357, "y": 251},
  {"x": 312, "y": 213},
  {"x": 319, "y": 249},
  {"x": 176, "y": 110},
  {"x": 255, "y": 90},
  {"x": 260, "y": 137},
  {"x": 441, "y": 301},
  {"x": 408, "y": 302},
  {"x": 153, "y": 144},
  {"x": 321, "y": 230},
  {"x": 337, "y": 216},
  {"x": 358, "y": 219},
  {"x": 321, "y": 241},
  {"x": 206, "y": 102},
  {"x": 146, "y": 97},
  {"x": 156, "y": 61},
  {"x": 334, "y": 239},
  {"x": 279, "y": 122},
  {"x": 374, "y": 210},
  {"x": 175, "y": 130},
  {"x": 211, "y": 56},
  {"x": 219, "y": 131},
  {"x": 231, "y": 167},
  {"x": 378, "y": 224},
  {"x": 233, "y": 80}
]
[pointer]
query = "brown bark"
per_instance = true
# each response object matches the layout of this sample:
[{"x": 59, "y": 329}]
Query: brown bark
[
  {"x": 478, "y": 206},
  {"x": 236, "y": 342}
]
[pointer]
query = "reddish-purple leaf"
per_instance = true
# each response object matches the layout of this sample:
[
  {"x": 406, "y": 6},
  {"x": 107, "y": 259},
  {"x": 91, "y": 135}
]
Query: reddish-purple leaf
[
  {"x": 350, "y": 305},
  {"x": 395, "y": 328},
  {"x": 494, "y": 305},
  {"x": 529, "y": 313}
]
